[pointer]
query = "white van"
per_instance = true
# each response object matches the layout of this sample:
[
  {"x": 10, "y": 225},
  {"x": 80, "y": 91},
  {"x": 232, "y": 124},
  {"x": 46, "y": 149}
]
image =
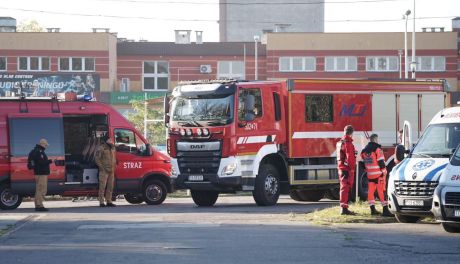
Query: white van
[
  {"x": 446, "y": 199},
  {"x": 412, "y": 182}
]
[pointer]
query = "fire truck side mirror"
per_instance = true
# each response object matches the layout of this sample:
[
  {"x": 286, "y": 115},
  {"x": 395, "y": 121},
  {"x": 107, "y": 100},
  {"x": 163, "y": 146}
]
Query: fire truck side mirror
[
  {"x": 166, "y": 108},
  {"x": 249, "y": 102}
]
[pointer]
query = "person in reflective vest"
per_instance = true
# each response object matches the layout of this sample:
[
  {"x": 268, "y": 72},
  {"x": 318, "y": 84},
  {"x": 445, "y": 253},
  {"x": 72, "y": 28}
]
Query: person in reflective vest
[
  {"x": 346, "y": 165},
  {"x": 374, "y": 163}
]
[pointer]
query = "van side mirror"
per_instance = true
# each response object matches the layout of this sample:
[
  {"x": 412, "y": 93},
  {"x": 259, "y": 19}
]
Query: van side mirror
[{"x": 249, "y": 102}]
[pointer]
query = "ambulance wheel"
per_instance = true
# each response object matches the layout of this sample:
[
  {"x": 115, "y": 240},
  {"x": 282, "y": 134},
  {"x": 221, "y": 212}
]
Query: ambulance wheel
[
  {"x": 204, "y": 198},
  {"x": 294, "y": 195},
  {"x": 9, "y": 200},
  {"x": 267, "y": 186},
  {"x": 451, "y": 228},
  {"x": 407, "y": 218},
  {"x": 311, "y": 195},
  {"x": 332, "y": 194},
  {"x": 154, "y": 192},
  {"x": 133, "y": 198}
]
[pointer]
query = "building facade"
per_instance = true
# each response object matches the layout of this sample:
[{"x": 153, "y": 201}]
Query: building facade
[{"x": 241, "y": 20}]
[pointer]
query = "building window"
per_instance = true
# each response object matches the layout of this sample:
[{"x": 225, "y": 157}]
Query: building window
[
  {"x": 76, "y": 64},
  {"x": 230, "y": 70},
  {"x": 431, "y": 63},
  {"x": 2, "y": 63},
  {"x": 318, "y": 108},
  {"x": 156, "y": 75},
  {"x": 341, "y": 64},
  {"x": 382, "y": 64},
  {"x": 297, "y": 64},
  {"x": 33, "y": 64}
]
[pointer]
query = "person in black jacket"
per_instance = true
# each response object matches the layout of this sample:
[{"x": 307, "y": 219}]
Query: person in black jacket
[{"x": 41, "y": 165}]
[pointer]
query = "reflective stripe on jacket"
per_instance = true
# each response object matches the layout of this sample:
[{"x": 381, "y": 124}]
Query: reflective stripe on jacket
[{"x": 374, "y": 161}]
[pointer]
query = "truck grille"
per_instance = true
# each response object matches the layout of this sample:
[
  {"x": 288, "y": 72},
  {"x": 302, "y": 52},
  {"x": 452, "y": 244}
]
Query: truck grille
[
  {"x": 413, "y": 188},
  {"x": 199, "y": 162},
  {"x": 453, "y": 198}
]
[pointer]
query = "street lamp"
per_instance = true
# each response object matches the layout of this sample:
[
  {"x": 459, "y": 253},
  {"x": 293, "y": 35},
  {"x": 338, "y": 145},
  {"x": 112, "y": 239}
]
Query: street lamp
[
  {"x": 414, "y": 63},
  {"x": 406, "y": 65},
  {"x": 256, "y": 39},
  {"x": 400, "y": 52}
]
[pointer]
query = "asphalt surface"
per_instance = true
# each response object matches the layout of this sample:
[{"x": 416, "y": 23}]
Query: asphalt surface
[{"x": 233, "y": 231}]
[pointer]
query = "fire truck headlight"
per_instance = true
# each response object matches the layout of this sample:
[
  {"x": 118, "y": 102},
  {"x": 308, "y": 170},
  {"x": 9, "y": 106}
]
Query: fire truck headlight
[
  {"x": 205, "y": 132},
  {"x": 189, "y": 132},
  {"x": 199, "y": 132},
  {"x": 182, "y": 132},
  {"x": 229, "y": 169}
]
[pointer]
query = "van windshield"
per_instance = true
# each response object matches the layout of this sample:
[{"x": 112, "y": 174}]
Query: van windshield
[
  {"x": 203, "y": 111},
  {"x": 438, "y": 140}
]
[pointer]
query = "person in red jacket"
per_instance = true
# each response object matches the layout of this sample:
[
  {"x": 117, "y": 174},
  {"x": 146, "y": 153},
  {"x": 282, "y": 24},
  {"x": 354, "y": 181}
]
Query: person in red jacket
[
  {"x": 346, "y": 165},
  {"x": 374, "y": 163}
]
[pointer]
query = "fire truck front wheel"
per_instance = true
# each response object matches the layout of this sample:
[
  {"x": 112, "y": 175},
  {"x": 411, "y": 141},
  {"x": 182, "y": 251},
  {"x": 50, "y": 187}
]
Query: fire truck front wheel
[
  {"x": 154, "y": 192},
  {"x": 267, "y": 187},
  {"x": 9, "y": 200},
  {"x": 204, "y": 198}
]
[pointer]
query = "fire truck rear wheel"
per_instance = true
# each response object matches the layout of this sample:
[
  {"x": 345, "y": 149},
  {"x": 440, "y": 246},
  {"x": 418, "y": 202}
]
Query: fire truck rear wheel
[
  {"x": 133, "y": 198},
  {"x": 267, "y": 186},
  {"x": 204, "y": 198},
  {"x": 311, "y": 195},
  {"x": 9, "y": 200},
  {"x": 332, "y": 194},
  {"x": 294, "y": 195},
  {"x": 451, "y": 228},
  {"x": 154, "y": 192},
  {"x": 407, "y": 218}
]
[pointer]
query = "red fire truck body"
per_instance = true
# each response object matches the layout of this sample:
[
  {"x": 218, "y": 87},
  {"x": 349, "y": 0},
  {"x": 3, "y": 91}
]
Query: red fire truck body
[
  {"x": 273, "y": 137},
  {"x": 73, "y": 130}
]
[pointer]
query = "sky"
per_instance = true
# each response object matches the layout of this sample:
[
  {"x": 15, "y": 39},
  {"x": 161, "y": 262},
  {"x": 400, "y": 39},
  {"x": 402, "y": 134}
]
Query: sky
[{"x": 156, "y": 20}]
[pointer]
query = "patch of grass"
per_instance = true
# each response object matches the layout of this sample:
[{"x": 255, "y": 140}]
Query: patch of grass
[
  {"x": 5, "y": 230},
  {"x": 332, "y": 215}
]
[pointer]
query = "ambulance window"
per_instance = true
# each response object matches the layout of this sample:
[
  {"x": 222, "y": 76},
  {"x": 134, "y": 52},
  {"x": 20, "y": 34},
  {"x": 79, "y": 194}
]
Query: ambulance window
[
  {"x": 125, "y": 141},
  {"x": 257, "y": 104},
  {"x": 318, "y": 108}
]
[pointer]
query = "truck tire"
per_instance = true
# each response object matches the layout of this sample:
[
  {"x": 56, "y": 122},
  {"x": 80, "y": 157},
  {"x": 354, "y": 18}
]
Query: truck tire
[
  {"x": 407, "y": 218},
  {"x": 154, "y": 192},
  {"x": 451, "y": 228},
  {"x": 294, "y": 195},
  {"x": 311, "y": 195},
  {"x": 9, "y": 200},
  {"x": 267, "y": 186},
  {"x": 362, "y": 186},
  {"x": 133, "y": 198},
  {"x": 204, "y": 198},
  {"x": 332, "y": 194}
]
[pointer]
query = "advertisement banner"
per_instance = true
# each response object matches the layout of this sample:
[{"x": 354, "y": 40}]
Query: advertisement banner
[
  {"x": 122, "y": 98},
  {"x": 15, "y": 84}
]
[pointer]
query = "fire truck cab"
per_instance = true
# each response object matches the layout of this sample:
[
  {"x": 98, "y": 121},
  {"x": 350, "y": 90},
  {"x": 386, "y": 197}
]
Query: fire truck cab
[
  {"x": 279, "y": 137},
  {"x": 73, "y": 130}
]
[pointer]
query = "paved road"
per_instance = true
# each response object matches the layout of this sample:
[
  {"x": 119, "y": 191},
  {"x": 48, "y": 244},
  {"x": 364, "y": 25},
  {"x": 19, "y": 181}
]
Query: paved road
[{"x": 234, "y": 231}]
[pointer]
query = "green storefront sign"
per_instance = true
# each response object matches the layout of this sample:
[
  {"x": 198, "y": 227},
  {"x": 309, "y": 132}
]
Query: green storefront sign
[{"x": 120, "y": 98}]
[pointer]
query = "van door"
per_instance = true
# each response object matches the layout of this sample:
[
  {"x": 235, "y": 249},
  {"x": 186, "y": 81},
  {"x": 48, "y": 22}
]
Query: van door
[{"x": 25, "y": 132}]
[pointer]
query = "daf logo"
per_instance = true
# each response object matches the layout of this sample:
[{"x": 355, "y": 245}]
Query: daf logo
[
  {"x": 196, "y": 146},
  {"x": 414, "y": 176},
  {"x": 422, "y": 165}
]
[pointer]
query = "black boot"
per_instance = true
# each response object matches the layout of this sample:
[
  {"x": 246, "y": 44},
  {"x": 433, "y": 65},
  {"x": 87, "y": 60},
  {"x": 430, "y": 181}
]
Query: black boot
[
  {"x": 386, "y": 212},
  {"x": 374, "y": 211},
  {"x": 345, "y": 211}
]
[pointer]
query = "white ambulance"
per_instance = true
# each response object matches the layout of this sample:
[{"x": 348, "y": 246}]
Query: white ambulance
[
  {"x": 412, "y": 182},
  {"x": 446, "y": 200}
]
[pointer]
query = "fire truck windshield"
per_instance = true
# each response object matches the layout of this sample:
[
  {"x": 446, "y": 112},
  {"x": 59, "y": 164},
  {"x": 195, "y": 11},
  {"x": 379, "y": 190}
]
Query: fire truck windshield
[
  {"x": 439, "y": 140},
  {"x": 203, "y": 111}
]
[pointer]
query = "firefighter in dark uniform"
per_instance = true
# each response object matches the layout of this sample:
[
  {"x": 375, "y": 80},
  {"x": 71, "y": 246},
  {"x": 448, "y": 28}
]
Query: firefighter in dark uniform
[{"x": 346, "y": 166}]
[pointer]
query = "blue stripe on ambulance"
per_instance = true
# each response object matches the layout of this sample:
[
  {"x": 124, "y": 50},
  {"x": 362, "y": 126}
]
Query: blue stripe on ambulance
[
  {"x": 432, "y": 173},
  {"x": 402, "y": 169}
]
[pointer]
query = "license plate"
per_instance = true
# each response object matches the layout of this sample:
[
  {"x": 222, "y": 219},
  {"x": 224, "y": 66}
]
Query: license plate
[
  {"x": 413, "y": 202},
  {"x": 195, "y": 178},
  {"x": 457, "y": 213}
]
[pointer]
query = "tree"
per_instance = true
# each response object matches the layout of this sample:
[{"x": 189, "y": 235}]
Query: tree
[
  {"x": 156, "y": 131},
  {"x": 29, "y": 26}
]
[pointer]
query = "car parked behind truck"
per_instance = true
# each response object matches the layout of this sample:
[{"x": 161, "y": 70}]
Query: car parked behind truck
[{"x": 73, "y": 130}]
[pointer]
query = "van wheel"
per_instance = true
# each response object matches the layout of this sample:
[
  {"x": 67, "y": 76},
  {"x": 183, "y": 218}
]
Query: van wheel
[
  {"x": 204, "y": 198},
  {"x": 267, "y": 186},
  {"x": 154, "y": 192},
  {"x": 407, "y": 218},
  {"x": 9, "y": 200},
  {"x": 133, "y": 198},
  {"x": 451, "y": 228}
]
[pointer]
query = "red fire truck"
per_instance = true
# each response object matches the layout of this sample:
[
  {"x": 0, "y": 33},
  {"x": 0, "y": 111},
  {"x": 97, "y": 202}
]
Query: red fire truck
[
  {"x": 273, "y": 137},
  {"x": 73, "y": 130}
]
